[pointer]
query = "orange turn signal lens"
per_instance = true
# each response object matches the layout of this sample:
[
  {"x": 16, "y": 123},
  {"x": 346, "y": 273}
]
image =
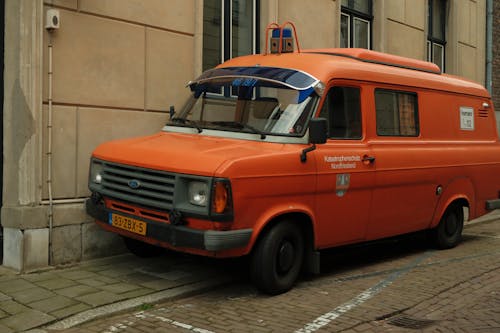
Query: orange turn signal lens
[{"x": 220, "y": 198}]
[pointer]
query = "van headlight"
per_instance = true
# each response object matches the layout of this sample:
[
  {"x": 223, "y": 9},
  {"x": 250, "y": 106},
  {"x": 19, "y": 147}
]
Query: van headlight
[
  {"x": 96, "y": 171},
  {"x": 198, "y": 193}
]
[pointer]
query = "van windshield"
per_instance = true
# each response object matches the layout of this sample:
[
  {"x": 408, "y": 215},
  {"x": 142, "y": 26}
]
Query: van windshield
[{"x": 250, "y": 105}]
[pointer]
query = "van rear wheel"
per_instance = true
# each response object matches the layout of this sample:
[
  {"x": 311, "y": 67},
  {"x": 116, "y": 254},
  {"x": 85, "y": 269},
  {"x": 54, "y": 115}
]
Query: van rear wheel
[
  {"x": 448, "y": 233},
  {"x": 141, "y": 249},
  {"x": 277, "y": 259}
]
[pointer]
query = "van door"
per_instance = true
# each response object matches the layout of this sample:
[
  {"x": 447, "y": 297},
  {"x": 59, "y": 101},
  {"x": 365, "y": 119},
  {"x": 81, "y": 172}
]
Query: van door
[
  {"x": 404, "y": 197},
  {"x": 345, "y": 174}
]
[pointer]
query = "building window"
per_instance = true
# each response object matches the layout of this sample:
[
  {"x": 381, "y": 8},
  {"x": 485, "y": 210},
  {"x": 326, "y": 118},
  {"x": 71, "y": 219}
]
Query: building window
[
  {"x": 397, "y": 113},
  {"x": 229, "y": 30},
  {"x": 355, "y": 23},
  {"x": 436, "y": 40},
  {"x": 342, "y": 109}
]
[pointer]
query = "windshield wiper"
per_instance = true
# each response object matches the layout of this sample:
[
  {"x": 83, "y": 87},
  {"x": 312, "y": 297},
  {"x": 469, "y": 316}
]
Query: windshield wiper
[
  {"x": 241, "y": 126},
  {"x": 187, "y": 122}
]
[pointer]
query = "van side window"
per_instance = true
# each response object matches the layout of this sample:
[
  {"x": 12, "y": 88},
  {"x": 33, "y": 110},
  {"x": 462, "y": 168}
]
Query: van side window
[
  {"x": 397, "y": 113},
  {"x": 343, "y": 111}
]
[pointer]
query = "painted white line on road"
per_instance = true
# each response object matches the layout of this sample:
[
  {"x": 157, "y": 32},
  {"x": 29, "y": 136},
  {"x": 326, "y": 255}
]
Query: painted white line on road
[
  {"x": 481, "y": 235},
  {"x": 328, "y": 317},
  {"x": 188, "y": 327}
]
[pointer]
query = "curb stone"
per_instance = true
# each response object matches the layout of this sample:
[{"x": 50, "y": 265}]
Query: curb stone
[{"x": 102, "y": 311}]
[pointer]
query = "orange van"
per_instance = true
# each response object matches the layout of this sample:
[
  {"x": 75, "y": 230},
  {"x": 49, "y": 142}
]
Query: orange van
[{"x": 282, "y": 154}]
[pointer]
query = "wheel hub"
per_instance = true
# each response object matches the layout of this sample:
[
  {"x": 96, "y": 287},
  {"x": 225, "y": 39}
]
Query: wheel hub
[
  {"x": 286, "y": 255},
  {"x": 451, "y": 226}
]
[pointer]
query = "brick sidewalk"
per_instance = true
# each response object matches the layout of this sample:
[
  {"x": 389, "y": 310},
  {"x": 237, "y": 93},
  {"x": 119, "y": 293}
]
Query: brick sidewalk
[{"x": 31, "y": 300}]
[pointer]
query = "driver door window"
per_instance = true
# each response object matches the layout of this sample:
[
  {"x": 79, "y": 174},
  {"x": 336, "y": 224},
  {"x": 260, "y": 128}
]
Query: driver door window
[{"x": 342, "y": 109}]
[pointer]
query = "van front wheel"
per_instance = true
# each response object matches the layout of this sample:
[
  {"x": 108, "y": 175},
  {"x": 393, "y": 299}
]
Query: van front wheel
[
  {"x": 448, "y": 233},
  {"x": 277, "y": 259}
]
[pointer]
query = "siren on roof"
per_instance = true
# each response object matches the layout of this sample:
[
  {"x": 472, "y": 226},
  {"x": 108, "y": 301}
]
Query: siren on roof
[
  {"x": 282, "y": 40},
  {"x": 285, "y": 35}
]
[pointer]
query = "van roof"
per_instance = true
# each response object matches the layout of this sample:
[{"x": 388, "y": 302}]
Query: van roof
[{"x": 363, "y": 65}]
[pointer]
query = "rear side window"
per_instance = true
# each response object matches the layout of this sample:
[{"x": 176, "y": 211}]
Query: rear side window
[
  {"x": 397, "y": 113},
  {"x": 343, "y": 111}
]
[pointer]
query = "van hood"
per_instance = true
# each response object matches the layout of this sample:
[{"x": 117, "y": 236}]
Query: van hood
[{"x": 183, "y": 153}]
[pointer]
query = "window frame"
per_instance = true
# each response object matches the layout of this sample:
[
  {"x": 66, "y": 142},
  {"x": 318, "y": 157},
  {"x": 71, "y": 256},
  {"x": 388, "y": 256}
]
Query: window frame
[
  {"x": 416, "y": 112},
  {"x": 366, "y": 17},
  {"x": 431, "y": 39},
  {"x": 360, "y": 103},
  {"x": 226, "y": 26}
]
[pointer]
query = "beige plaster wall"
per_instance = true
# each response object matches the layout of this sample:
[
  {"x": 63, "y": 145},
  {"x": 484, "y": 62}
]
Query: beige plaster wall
[
  {"x": 117, "y": 67},
  {"x": 399, "y": 28},
  {"x": 317, "y": 25},
  {"x": 466, "y": 39}
]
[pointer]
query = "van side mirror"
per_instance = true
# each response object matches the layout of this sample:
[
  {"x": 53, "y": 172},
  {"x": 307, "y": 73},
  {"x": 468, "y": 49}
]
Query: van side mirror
[
  {"x": 318, "y": 130},
  {"x": 318, "y": 134}
]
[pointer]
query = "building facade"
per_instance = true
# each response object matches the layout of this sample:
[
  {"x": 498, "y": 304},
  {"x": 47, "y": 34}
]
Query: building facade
[{"x": 113, "y": 68}]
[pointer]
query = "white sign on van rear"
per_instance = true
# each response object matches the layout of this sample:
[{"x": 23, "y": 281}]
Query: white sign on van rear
[{"x": 466, "y": 118}]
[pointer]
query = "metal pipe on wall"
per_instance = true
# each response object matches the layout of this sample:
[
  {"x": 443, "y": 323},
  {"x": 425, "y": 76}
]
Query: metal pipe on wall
[
  {"x": 489, "y": 44},
  {"x": 49, "y": 148}
]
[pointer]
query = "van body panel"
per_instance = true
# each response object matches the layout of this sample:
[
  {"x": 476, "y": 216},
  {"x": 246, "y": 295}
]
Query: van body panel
[
  {"x": 192, "y": 154},
  {"x": 460, "y": 188},
  {"x": 344, "y": 193}
]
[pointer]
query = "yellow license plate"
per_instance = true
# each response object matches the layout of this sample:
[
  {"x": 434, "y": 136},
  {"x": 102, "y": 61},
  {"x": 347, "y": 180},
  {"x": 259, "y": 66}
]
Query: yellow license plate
[{"x": 127, "y": 223}]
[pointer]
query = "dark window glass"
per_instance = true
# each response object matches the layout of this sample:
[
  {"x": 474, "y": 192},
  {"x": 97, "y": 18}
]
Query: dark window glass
[
  {"x": 212, "y": 33},
  {"x": 344, "y": 30},
  {"x": 355, "y": 23},
  {"x": 438, "y": 12},
  {"x": 242, "y": 27},
  {"x": 343, "y": 110},
  {"x": 363, "y": 6},
  {"x": 229, "y": 30},
  {"x": 397, "y": 113},
  {"x": 436, "y": 40}
]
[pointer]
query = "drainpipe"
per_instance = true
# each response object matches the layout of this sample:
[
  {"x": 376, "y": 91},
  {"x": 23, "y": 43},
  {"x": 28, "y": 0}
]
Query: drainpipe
[
  {"x": 49, "y": 148},
  {"x": 489, "y": 44}
]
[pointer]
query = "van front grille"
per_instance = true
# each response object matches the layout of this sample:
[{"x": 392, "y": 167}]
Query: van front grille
[{"x": 140, "y": 186}]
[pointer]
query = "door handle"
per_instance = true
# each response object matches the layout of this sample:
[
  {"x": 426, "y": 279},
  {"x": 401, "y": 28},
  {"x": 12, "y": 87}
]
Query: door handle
[{"x": 368, "y": 159}]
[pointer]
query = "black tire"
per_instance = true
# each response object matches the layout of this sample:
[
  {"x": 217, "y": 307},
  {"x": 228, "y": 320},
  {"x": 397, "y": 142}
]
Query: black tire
[
  {"x": 141, "y": 249},
  {"x": 448, "y": 233},
  {"x": 277, "y": 259}
]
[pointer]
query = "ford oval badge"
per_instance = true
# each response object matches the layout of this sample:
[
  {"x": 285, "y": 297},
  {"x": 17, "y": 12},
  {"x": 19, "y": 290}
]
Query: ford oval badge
[{"x": 134, "y": 183}]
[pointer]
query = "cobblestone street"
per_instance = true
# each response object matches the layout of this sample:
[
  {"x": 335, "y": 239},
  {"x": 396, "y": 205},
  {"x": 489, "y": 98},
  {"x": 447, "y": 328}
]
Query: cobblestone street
[{"x": 396, "y": 286}]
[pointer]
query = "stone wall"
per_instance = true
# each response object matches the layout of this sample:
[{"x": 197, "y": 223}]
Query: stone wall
[{"x": 117, "y": 66}]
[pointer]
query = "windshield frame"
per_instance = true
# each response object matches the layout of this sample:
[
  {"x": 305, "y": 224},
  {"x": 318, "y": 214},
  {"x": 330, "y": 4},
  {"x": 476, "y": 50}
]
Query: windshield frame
[{"x": 257, "y": 72}]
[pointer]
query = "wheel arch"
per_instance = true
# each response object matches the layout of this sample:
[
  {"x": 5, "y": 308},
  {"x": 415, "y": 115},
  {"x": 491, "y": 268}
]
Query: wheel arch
[
  {"x": 303, "y": 220},
  {"x": 459, "y": 191},
  {"x": 311, "y": 263}
]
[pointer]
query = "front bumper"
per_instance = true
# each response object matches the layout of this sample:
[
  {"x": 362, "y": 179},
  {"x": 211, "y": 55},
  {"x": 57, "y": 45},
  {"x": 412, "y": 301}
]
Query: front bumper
[{"x": 180, "y": 236}]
